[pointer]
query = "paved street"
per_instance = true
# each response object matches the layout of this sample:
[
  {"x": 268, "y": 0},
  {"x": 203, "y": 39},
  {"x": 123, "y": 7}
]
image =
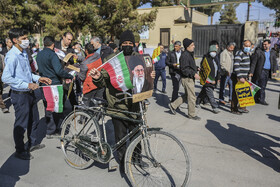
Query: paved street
[{"x": 226, "y": 150}]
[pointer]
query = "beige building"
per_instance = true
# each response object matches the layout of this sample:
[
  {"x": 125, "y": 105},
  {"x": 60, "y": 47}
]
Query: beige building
[{"x": 171, "y": 24}]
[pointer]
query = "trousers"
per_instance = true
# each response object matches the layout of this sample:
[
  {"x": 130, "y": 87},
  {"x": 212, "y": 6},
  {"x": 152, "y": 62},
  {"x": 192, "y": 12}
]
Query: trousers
[
  {"x": 160, "y": 73},
  {"x": 26, "y": 118},
  {"x": 188, "y": 85},
  {"x": 207, "y": 91}
]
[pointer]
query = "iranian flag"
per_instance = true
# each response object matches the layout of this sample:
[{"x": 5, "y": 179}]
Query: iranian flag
[
  {"x": 119, "y": 73},
  {"x": 156, "y": 54},
  {"x": 254, "y": 88},
  {"x": 54, "y": 97},
  {"x": 140, "y": 49}
]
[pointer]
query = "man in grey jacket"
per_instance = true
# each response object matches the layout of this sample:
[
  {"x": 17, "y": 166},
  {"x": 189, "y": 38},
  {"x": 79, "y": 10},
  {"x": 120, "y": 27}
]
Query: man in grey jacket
[{"x": 226, "y": 60}]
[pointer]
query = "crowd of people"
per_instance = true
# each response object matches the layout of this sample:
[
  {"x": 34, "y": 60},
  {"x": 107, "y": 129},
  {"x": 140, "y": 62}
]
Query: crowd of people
[{"x": 227, "y": 68}]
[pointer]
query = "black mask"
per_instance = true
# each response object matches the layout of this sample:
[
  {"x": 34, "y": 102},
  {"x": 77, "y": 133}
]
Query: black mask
[{"x": 127, "y": 50}]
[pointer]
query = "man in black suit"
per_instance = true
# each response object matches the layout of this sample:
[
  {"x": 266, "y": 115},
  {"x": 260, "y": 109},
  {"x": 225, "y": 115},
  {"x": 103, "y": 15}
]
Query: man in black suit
[
  {"x": 263, "y": 65},
  {"x": 172, "y": 61}
]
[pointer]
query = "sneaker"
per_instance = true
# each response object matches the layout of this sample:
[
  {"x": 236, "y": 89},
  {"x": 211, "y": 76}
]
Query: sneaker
[
  {"x": 195, "y": 118},
  {"x": 5, "y": 110},
  {"x": 24, "y": 155},
  {"x": 36, "y": 147},
  {"x": 163, "y": 91},
  {"x": 51, "y": 136},
  {"x": 171, "y": 109},
  {"x": 216, "y": 111}
]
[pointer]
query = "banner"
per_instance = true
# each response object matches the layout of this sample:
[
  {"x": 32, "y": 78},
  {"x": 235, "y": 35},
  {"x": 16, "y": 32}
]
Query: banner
[
  {"x": 140, "y": 68},
  {"x": 156, "y": 54},
  {"x": 204, "y": 71},
  {"x": 244, "y": 94}
]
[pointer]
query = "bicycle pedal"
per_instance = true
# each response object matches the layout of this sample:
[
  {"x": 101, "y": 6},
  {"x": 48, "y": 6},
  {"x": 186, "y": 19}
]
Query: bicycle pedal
[{"x": 113, "y": 165}]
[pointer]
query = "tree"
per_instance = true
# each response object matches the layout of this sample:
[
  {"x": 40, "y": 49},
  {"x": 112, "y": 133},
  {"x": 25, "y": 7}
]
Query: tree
[
  {"x": 210, "y": 10},
  {"x": 228, "y": 14},
  {"x": 52, "y": 17},
  {"x": 275, "y": 5}
]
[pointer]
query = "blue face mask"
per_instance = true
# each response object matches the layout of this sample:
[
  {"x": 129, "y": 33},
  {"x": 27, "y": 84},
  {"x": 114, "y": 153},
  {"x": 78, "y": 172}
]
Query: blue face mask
[{"x": 247, "y": 49}]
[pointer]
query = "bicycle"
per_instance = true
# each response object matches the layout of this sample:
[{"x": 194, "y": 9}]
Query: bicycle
[{"x": 167, "y": 161}]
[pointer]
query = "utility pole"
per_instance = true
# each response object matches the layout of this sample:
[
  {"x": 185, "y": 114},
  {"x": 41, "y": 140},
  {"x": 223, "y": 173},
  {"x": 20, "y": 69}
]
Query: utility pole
[{"x": 248, "y": 11}]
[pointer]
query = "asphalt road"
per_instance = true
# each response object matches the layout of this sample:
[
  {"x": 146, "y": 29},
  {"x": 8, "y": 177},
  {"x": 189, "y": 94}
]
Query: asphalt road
[{"x": 225, "y": 149}]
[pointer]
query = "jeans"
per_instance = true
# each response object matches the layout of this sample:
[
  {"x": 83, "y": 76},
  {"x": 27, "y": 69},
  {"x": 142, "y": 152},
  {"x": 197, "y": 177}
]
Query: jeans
[
  {"x": 225, "y": 80},
  {"x": 160, "y": 73},
  {"x": 207, "y": 91}
]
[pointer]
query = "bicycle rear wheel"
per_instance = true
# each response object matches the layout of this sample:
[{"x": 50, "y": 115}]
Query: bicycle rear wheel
[
  {"x": 71, "y": 126},
  {"x": 159, "y": 159}
]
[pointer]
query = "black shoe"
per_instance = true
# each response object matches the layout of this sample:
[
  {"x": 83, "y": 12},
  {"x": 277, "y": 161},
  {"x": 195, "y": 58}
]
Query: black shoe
[
  {"x": 236, "y": 112},
  {"x": 5, "y": 110},
  {"x": 264, "y": 103},
  {"x": 171, "y": 109},
  {"x": 24, "y": 155},
  {"x": 163, "y": 91},
  {"x": 195, "y": 118},
  {"x": 37, "y": 147}
]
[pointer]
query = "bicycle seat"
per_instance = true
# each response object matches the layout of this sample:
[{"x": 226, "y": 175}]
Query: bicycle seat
[{"x": 99, "y": 101}]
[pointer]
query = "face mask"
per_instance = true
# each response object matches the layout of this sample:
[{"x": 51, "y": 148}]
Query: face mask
[
  {"x": 247, "y": 49},
  {"x": 0, "y": 49},
  {"x": 127, "y": 50},
  {"x": 76, "y": 50},
  {"x": 213, "y": 54},
  {"x": 24, "y": 44}
]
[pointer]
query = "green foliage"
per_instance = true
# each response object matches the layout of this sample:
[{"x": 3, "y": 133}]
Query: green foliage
[
  {"x": 209, "y": 10},
  {"x": 273, "y": 4},
  {"x": 51, "y": 17},
  {"x": 228, "y": 14}
]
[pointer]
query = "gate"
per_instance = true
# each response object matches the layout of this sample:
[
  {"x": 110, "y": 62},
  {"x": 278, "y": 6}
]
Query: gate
[{"x": 202, "y": 35}]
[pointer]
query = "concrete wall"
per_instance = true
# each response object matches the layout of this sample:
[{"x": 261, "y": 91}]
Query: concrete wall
[{"x": 165, "y": 19}]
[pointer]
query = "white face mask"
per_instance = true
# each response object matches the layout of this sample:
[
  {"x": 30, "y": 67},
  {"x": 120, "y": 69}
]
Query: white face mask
[
  {"x": 24, "y": 44},
  {"x": 76, "y": 50},
  {"x": 213, "y": 54},
  {"x": 0, "y": 49}
]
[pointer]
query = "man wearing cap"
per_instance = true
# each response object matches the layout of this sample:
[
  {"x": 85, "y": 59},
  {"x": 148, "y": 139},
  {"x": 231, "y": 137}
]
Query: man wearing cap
[
  {"x": 113, "y": 96},
  {"x": 211, "y": 81},
  {"x": 172, "y": 61},
  {"x": 188, "y": 72}
]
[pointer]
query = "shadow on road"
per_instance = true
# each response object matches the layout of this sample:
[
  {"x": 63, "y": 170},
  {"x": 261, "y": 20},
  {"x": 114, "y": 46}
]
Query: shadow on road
[
  {"x": 273, "y": 117},
  {"x": 161, "y": 99},
  {"x": 255, "y": 144},
  {"x": 11, "y": 171}
]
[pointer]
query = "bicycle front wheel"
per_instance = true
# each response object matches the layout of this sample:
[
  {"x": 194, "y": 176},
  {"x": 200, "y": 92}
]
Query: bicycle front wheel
[
  {"x": 84, "y": 124},
  {"x": 159, "y": 159}
]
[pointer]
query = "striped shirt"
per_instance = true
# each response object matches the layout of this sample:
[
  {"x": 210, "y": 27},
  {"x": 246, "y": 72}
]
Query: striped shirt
[{"x": 241, "y": 66}]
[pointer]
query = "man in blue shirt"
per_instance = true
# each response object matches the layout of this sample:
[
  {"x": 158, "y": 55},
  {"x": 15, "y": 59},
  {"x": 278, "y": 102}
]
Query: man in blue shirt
[
  {"x": 17, "y": 74},
  {"x": 160, "y": 70},
  {"x": 263, "y": 65}
]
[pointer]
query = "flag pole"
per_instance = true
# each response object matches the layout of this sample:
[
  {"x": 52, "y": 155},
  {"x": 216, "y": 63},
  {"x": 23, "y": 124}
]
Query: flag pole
[{"x": 109, "y": 60}]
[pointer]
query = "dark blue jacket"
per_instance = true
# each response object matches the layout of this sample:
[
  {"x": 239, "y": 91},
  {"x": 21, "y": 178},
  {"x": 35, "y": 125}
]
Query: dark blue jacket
[
  {"x": 49, "y": 66},
  {"x": 161, "y": 63}
]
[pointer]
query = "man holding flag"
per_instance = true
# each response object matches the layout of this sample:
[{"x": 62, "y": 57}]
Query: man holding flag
[
  {"x": 160, "y": 70},
  {"x": 116, "y": 78},
  {"x": 49, "y": 66},
  {"x": 17, "y": 74}
]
